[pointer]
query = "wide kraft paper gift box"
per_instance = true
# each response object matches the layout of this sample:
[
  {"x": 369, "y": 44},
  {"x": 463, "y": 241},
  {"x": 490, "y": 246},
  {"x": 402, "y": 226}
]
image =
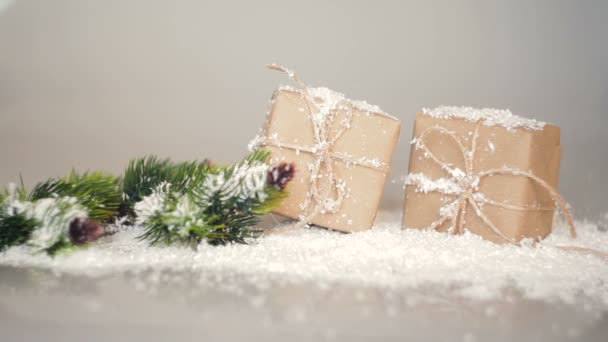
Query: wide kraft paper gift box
[
  {"x": 505, "y": 142},
  {"x": 369, "y": 137}
]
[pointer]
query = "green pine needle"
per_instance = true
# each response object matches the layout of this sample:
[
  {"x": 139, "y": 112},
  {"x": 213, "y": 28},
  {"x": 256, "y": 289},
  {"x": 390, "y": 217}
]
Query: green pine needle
[
  {"x": 260, "y": 155},
  {"x": 218, "y": 204},
  {"x": 275, "y": 196},
  {"x": 186, "y": 175},
  {"x": 221, "y": 217},
  {"x": 15, "y": 229},
  {"x": 20, "y": 193},
  {"x": 143, "y": 175},
  {"x": 96, "y": 191}
]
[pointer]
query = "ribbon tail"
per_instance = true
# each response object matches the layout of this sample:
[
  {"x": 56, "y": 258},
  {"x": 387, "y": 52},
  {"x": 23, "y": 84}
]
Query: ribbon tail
[{"x": 583, "y": 250}]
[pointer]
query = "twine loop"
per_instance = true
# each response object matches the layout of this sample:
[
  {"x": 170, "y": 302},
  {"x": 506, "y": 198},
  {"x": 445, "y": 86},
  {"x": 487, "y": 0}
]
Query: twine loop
[{"x": 465, "y": 187}]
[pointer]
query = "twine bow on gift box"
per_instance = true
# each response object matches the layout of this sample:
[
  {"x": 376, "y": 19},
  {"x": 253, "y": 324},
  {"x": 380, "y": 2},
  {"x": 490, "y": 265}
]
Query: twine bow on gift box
[
  {"x": 327, "y": 199},
  {"x": 464, "y": 185}
]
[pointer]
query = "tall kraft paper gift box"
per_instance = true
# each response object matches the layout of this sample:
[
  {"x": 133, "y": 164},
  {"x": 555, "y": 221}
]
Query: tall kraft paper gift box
[
  {"x": 342, "y": 146},
  {"x": 493, "y": 194}
]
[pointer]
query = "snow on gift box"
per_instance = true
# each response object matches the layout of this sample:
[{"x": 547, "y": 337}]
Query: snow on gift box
[
  {"x": 484, "y": 170},
  {"x": 342, "y": 150}
]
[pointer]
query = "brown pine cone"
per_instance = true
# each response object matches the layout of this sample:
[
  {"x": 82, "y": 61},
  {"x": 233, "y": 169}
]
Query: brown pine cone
[
  {"x": 279, "y": 175},
  {"x": 83, "y": 230}
]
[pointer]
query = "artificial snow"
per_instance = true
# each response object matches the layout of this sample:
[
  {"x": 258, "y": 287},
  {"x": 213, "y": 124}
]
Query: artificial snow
[
  {"x": 152, "y": 204},
  {"x": 487, "y": 116},
  {"x": 424, "y": 184},
  {"x": 384, "y": 257},
  {"x": 245, "y": 181},
  {"x": 330, "y": 98}
]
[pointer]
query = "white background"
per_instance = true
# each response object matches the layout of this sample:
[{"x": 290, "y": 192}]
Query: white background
[{"x": 91, "y": 84}]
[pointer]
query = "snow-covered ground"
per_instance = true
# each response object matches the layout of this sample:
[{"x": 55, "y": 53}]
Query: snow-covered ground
[{"x": 385, "y": 257}]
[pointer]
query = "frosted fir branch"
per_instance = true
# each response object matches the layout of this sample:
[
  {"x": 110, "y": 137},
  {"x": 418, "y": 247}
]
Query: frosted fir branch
[
  {"x": 152, "y": 204},
  {"x": 52, "y": 224},
  {"x": 220, "y": 209},
  {"x": 55, "y": 216},
  {"x": 184, "y": 216},
  {"x": 143, "y": 175},
  {"x": 43, "y": 225},
  {"x": 97, "y": 192},
  {"x": 244, "y": 182},
  {"x": 169, "y": 216},
  {"x": 171, "y": 212}
]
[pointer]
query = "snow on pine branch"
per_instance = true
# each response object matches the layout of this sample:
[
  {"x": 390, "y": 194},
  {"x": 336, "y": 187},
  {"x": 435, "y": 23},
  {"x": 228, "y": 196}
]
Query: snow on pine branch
[
  {"x": 246, "y": 181},
  {"x": 219, "y": 205},
  {"x": 52, "y": 217}
]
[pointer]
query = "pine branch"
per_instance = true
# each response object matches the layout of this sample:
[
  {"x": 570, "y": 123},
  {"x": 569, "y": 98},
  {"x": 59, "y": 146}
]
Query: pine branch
[
  {"x": 55, "y": 215},
  {"x": 16, "y": 226},
  {"x": 186, "y": 175},
  {"x": 273, "y": 199},
  {"x": 96, "y": 191},
  {"x": 143, "y": 175},
  {"x": 220, "y": 206},
  {"x": 260, "y": 155},
  {"x": 15, "y": 229},
  {"x": 15, "y": 191},
  {"x": 182, "y": 203},
  {"x": 177, "y": 222},
  {"x": 51, "y": 225}
]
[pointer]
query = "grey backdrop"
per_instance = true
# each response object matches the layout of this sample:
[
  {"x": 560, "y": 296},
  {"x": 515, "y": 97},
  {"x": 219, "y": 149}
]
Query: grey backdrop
[{"x": 90, "y": 84}]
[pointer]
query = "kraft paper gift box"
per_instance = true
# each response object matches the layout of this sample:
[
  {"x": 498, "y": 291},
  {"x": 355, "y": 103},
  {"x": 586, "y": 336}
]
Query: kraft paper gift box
[
  {"x": 341, "y": 149},
  {"x": 499, "y": 194}
]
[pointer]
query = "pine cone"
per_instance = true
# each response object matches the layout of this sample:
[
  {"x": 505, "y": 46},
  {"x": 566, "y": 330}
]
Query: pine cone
[
  {"x": 83, "y": 230},
  {"x": 279, "y": 175}
]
